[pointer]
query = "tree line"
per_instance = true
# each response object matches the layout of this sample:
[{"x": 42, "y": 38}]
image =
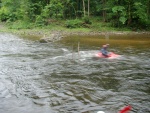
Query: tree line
[{"x": 120, "y": 13}]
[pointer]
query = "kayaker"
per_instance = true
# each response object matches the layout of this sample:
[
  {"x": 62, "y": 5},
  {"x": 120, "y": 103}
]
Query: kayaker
[{"x": 104, "y": 50}]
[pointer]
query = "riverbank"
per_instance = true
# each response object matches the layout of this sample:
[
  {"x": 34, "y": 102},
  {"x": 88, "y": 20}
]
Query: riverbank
[{"x": 58, "y": 31}]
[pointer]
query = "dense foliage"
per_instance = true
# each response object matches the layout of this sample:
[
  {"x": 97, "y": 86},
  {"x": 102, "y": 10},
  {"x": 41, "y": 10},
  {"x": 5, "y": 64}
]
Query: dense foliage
[{"x": 134, "y": 14}]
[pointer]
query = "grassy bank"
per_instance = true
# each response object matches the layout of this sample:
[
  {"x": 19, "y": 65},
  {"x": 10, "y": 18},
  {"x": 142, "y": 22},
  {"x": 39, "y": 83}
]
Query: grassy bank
[
  {"x": 22, "y": 27},
  {"x": 61, "y": 26}
]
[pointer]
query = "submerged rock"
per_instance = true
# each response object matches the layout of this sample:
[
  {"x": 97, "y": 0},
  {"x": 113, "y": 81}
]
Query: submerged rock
[{"x": 52, "y": 38}]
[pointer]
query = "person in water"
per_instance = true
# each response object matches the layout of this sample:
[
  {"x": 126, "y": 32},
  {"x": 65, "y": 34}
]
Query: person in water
[{"x": 104, "y": 50}]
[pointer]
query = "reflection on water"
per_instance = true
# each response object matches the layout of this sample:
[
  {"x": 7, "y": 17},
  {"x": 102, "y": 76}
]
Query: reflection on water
[
  {"x": 56, "y": 78},
  {"x": 127, "y": 41}
]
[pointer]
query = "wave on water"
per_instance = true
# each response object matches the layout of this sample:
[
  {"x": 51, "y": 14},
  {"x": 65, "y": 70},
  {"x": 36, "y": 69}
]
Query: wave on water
[
  {"x": 50, "y": 78},
  {"x": 4, "y": 92}
]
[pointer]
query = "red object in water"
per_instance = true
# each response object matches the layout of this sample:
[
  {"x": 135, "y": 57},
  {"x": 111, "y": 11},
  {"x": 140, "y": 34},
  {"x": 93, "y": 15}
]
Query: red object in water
[
  {"x": 126, "y": 109},
  {"x": 111, "y": 55}
]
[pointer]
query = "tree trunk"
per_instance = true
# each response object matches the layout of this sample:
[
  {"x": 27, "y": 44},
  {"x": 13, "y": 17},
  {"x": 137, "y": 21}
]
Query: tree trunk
[
  {"x": 47, "y": 1},
  {"x": 83, "y": 7},
  {"x": 148, "y": 9},
  {"x": 129, "y": 14},
  {"x": 77, "y": 8},
  {"x": 104, "y": 11},
  {"x": 88, "y": 8}
]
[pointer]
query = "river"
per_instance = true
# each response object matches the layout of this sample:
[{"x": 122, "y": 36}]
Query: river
[{"x": 64, "y": 77}]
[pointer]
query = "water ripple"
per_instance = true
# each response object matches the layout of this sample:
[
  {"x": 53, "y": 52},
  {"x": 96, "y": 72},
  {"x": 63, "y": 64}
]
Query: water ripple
[{"x": 52, "y": 78}]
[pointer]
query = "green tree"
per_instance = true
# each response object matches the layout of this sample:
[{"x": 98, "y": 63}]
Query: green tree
[
  {"x": 8, "y": 9},
  {"x": 121, "y": 13}
]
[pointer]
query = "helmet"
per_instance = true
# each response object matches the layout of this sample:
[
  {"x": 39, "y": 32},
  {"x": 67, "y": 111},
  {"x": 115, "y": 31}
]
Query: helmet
[{"x": 106, "y": 45}]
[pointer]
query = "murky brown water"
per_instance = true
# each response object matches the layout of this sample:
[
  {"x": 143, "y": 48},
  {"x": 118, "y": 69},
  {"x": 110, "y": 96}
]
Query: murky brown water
[{"x": 56, "y": 78}]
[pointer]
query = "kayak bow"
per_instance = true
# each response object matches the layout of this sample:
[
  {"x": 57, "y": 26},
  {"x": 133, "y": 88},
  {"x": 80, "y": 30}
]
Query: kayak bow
[{"x": 111, "y": 55}]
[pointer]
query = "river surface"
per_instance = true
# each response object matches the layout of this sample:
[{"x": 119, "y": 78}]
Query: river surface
[{"x": 65, "y": 77}]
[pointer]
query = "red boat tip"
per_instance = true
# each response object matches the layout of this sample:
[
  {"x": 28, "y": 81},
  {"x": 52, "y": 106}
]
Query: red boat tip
[{"x": 126, "y": 109}]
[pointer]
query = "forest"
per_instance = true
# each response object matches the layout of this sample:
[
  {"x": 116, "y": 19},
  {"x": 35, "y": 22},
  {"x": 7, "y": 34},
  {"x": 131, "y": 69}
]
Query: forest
[{"x": 133, "y": 14}]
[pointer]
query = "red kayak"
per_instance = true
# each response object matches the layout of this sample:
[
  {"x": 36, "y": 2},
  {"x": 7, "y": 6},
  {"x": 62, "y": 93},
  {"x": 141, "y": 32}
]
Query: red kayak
[
  {"x": 111, "y": 55},
  {"x": 126, "y": 109}
]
